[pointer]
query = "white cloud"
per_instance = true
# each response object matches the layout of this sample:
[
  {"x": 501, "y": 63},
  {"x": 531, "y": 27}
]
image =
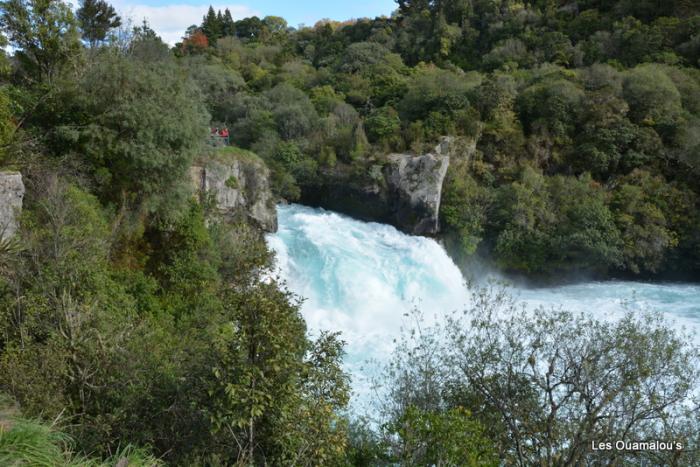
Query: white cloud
[{"x": 171, "y": 21}]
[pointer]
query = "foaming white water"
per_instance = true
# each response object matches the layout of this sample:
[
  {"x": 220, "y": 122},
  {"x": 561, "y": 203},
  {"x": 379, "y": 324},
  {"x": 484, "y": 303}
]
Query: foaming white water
[
  {"x": 679, "y": 303},
  {"x": 363, "y": 278}
]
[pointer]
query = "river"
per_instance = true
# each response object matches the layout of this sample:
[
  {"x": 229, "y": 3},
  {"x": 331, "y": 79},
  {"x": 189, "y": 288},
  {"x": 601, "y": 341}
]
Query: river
[{"x": 363, "y": 278}]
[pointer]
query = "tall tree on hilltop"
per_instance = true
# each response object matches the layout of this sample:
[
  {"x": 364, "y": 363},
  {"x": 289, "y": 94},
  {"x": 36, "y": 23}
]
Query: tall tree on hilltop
[
  {"x": 228, "y": 27},
  {"x": 413, "y": 6},
  {"x": 211, "y": 25},
  {"x": 97, "y": 18}
]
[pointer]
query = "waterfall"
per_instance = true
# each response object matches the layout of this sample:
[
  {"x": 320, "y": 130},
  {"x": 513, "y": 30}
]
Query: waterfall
[{"x": 364, "y": 278}]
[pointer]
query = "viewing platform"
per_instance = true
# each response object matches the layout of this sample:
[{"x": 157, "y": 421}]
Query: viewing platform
[{"x": 219, "y": 137}]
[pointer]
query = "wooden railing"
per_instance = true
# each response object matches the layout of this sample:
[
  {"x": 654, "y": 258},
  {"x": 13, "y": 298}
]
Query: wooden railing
[{"x": 218, "y": 140}]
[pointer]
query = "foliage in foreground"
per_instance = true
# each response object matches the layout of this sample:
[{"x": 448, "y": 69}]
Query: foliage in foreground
[
  {"x": 196, "y": 355},
  {"x": 540, "y": 387}
]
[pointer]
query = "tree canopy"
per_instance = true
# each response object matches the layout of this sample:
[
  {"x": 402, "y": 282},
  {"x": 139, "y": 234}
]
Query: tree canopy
[{"x": 97, "y": 18}]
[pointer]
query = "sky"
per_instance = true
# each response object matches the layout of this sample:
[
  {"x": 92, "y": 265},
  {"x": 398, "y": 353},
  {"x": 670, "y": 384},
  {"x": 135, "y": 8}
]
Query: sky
[{"x": 170, "y": 18}]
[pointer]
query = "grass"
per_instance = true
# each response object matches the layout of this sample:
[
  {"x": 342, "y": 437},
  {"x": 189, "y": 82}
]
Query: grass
[
  {"x": 31, "y": 443},
  {"x": 237, "y": 153},
  {"x": 226, "y": 154}
]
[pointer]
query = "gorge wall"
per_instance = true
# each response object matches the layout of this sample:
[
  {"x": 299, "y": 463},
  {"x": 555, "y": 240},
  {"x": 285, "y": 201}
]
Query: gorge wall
[
  {"x": 405, "y": 191},
  {"x": 238, "y": 185},
  {"x": 11, "y": 197}
]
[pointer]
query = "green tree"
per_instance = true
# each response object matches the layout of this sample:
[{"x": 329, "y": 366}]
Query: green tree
[
  {"x": 509, "y": 54},
  {"x": 212, "y": 25},
  {"x": 44, "y": 32},
  {"x": 436, "y": 90},
  {"x": 139, "y": 129},
  {"x": 249, "y": 28},
  {"x": 315, "y": 431},
  {"x": 550, "y": 108},
  {"x": 607, "y": 142},
  {"x": 653, "y": 98},
  {"x": 257, "y": 353},
  {"x": 463, "y": 210},
  {"x": 145, "y": 44},
  {"x": 219, "y": 85},
  {"x": 7, "y": 123},
  {"x": 292, "y": 110},
  {"x": 653, "y": 217},
  {"x": 556, "y": 224},
  {"x": 383, "y": 125},
  {"x": 448, "y": 438},
  {"x": 228, "y": 27},
  {"x": 96, "y": 19},
  {"x": 185, "y": 264},
  {"x": 526, "y": 211},
  {"x": 274, "y": 30}
]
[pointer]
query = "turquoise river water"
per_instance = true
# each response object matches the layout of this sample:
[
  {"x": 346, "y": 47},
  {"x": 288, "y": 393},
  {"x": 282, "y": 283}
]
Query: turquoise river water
[{"x": 362, "y": 278}]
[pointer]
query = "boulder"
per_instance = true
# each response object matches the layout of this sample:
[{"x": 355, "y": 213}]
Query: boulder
[
  {"x": 240, "y": 189},
  {"x": 11, "y": 197}
]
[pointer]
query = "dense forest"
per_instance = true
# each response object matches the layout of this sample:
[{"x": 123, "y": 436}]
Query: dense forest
[{"x": 137, "y": 327}]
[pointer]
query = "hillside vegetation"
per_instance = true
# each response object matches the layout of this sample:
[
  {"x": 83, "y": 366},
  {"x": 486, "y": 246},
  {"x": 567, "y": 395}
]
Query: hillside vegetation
[{"x": 586, "y": 118}]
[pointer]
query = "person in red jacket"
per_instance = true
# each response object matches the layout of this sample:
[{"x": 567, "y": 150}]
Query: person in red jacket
[{"x": 224, "y": 135}]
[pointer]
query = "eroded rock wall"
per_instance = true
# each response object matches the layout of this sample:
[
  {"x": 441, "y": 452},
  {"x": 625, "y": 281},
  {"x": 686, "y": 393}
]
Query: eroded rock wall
[
  {"x": 404, "y": 191},
  {"x": 240, "y": 189},
  {"x": 11, "y": 197},
  {"x": 415, "y": 190}
]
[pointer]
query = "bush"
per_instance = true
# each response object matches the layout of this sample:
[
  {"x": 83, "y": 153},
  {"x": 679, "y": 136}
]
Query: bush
[
  {"x": 138, "y": 128},
  {"x": 653, "y": 98},
  {"x": 543, "y": 385}
]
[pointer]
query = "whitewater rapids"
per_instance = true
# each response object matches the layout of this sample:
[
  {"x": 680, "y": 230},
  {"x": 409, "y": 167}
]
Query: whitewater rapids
[{"x": 363, "y": 278}]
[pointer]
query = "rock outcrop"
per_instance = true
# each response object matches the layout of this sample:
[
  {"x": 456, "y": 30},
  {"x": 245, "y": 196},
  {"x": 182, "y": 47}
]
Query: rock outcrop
[
  {"x": 11, "y": 197},
  {"x": 415, "y": 189},
  {"x": 239, "y": 187},
  {"x": 405, "y": 191},
  {"x": 345, "y": 190}
]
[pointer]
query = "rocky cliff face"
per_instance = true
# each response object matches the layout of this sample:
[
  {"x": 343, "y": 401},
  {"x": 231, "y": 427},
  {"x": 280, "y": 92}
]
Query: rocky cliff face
[
  {"x": 11, "y": 196},
  {"x": 240, "y": 189},
  {"x": 405, "y": 191},
  {"x": 415, "y": 189}
]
